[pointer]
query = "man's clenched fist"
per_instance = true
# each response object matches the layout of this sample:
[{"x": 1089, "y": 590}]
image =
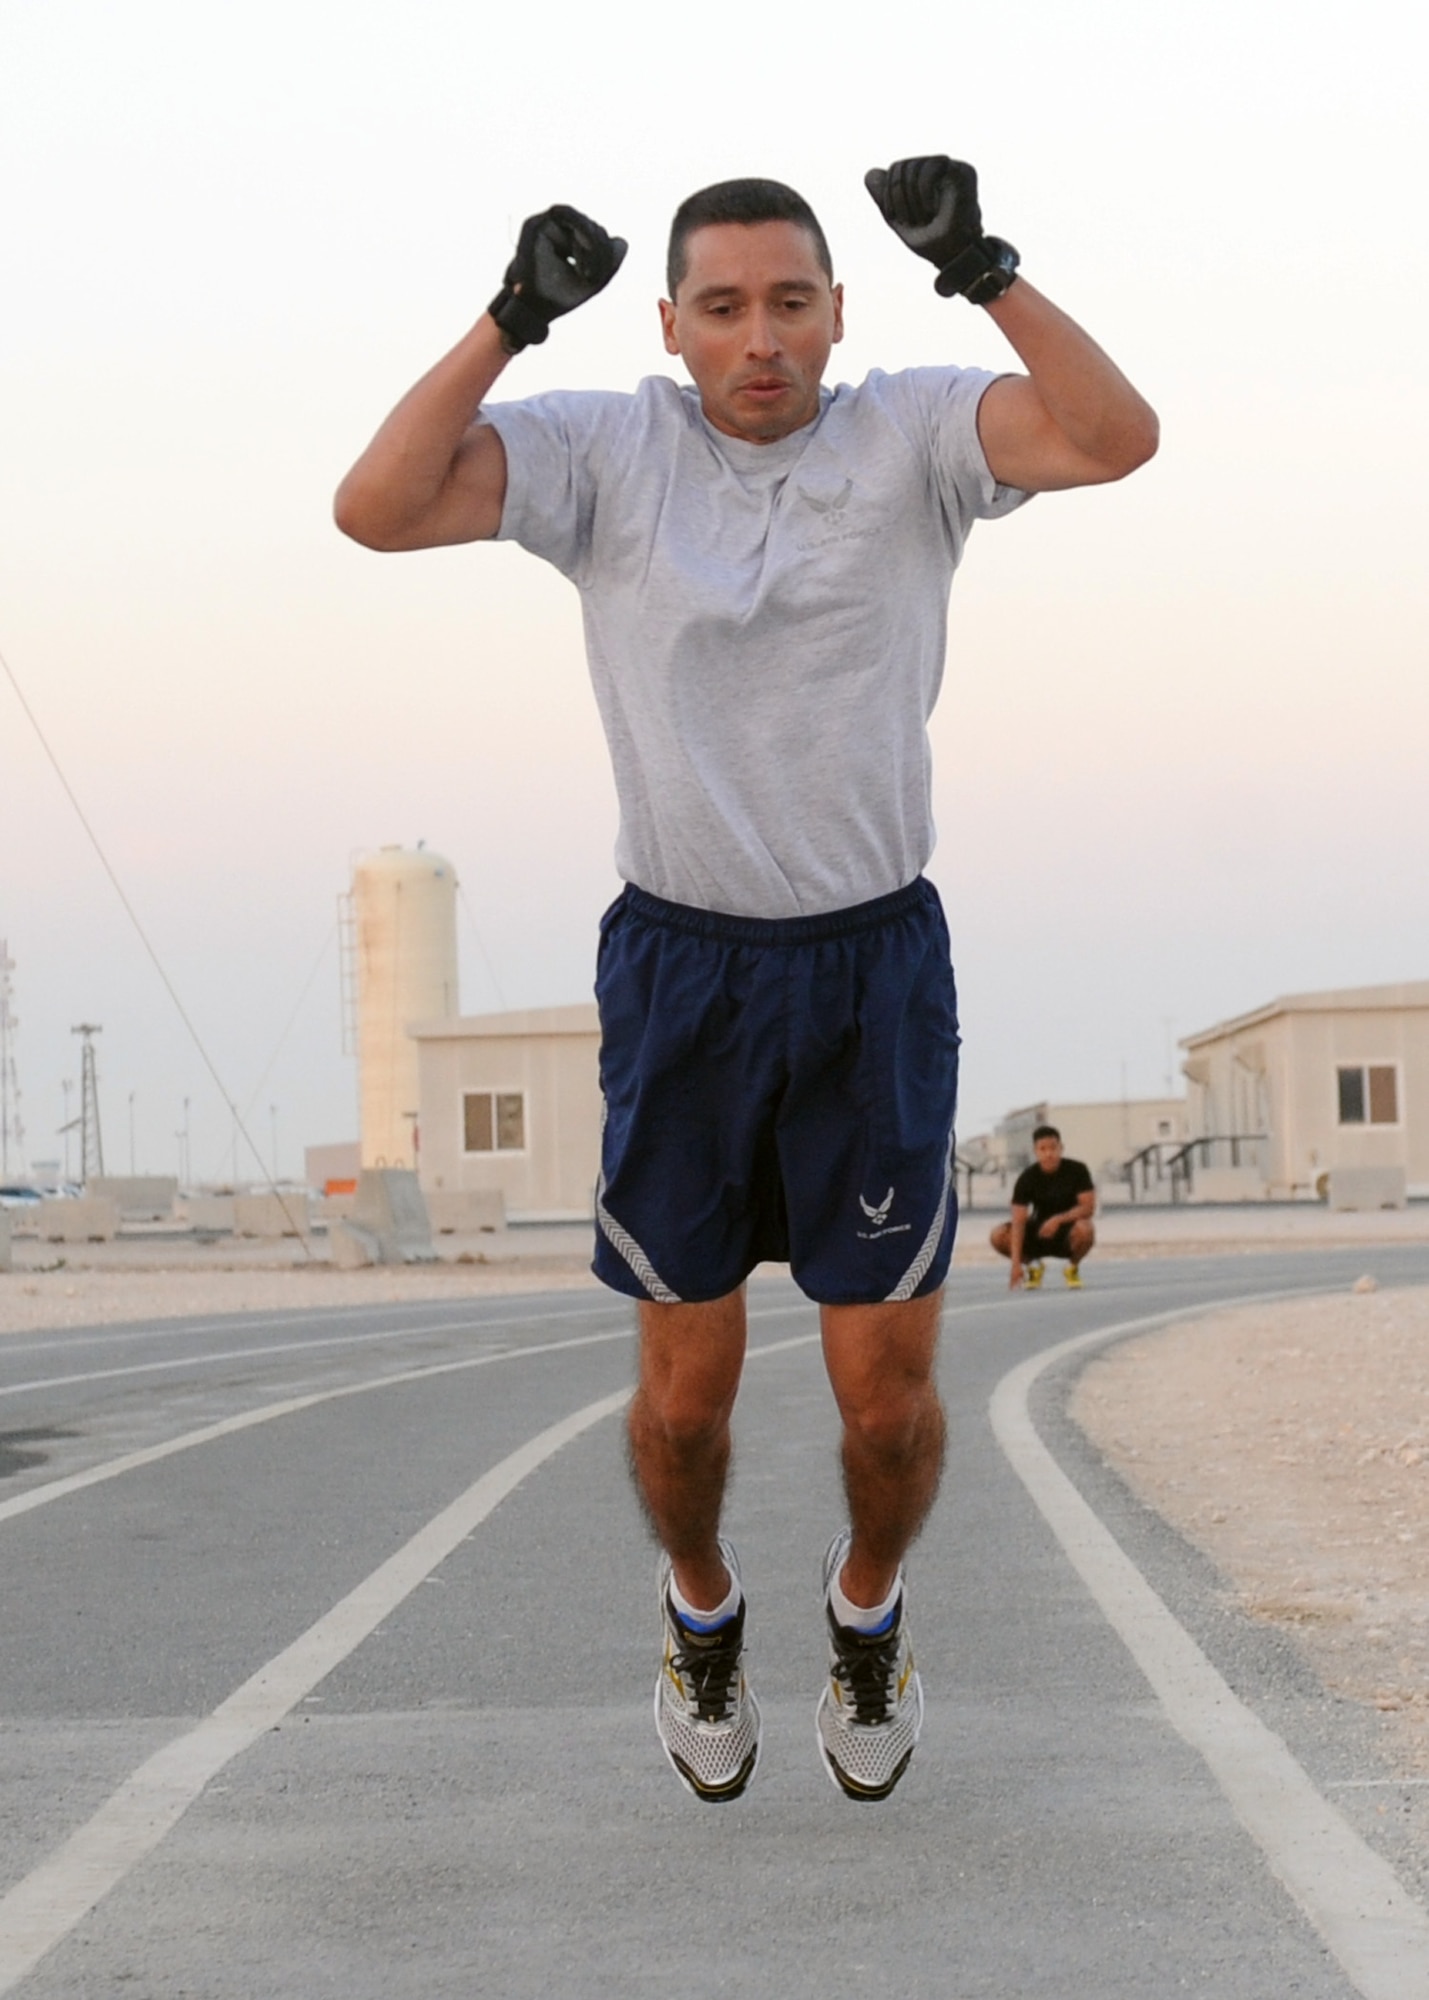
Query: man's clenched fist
[
  {"x": 562, "y": 259},
  {"x": 932, "y": 204}
]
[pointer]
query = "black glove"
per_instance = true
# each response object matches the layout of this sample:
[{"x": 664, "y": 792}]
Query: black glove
[
  {"x": 932, "y": 204},
  {"x": 562, "y": 259}
]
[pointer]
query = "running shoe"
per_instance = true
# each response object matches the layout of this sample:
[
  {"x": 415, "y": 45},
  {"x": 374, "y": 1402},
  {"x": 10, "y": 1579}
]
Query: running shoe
[
  {"x": 1073, "y": 1275},
  {"x": 707, "y": 1719},
  {"x": 871, "y": 1710},
  {"x": 1034, "y": 1276}
]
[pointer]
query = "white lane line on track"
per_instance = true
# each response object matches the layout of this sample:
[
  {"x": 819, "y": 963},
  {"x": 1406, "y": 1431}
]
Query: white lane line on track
[
  {"x": 266, "y": 1413},
  {"x": 46, "y": 1904},
  {"x": 1373, "y": 1927},
  {"x": 63, "y": 1338},
  {"x": 202, "y": 1360},
  {"x": 173, "y": 1364}
]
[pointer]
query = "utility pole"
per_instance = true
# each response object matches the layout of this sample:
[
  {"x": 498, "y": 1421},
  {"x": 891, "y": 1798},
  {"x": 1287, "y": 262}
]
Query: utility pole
[
  {"x": 12, "y": 1128},
  {"x": 91, "y": 1140}
]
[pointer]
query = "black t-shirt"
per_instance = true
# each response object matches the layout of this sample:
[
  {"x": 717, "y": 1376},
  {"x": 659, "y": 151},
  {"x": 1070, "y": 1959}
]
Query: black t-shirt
[{"x": 1051, "y": 1194}]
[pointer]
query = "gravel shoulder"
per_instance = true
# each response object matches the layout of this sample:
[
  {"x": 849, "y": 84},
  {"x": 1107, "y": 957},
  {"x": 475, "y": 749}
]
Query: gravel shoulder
[
  {"x": 33, "y": 1301},
  {"x": 1290, "y": 1444}
]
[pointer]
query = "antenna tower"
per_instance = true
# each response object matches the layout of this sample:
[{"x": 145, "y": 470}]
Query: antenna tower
[
  {"x": 347, "y": 970},
  {"x": 91, "y": 1141},
  {"x": 12, "y": 1125}
]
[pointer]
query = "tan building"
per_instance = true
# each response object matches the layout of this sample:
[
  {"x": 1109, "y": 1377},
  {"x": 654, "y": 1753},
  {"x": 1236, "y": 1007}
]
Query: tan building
[
  {"x": 511, "y": 1103},
  {"x": 1103, "y": 1133},
  {"x": 1338, "y": 1085}
]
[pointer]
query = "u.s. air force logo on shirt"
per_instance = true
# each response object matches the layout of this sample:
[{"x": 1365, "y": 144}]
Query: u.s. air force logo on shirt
[
  {"x": 825, "y": 515},
  {"x": 834, "y": 506}
]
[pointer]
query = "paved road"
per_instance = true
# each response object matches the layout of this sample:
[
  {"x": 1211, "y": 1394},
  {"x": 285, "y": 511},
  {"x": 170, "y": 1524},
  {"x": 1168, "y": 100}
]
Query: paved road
[{"x": 328, "y": 1642}]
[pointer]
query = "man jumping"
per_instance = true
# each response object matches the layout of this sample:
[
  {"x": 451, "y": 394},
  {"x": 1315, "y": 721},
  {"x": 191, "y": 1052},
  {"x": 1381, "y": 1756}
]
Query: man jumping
[{"x": 764, "y": 566}]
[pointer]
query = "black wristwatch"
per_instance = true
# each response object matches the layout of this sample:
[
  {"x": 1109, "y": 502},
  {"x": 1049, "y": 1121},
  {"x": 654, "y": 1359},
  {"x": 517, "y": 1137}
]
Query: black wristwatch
[{"x": 981, "y": 273}]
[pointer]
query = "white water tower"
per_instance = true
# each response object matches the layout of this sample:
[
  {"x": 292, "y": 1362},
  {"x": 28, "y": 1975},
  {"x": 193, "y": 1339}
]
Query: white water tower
[{"x": 404, "y": 969}]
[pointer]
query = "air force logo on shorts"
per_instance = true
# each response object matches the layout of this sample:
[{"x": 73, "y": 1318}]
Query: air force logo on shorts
[
  {"x": 768, "y": 1084},
  {"x": 879, "y": 1216}
]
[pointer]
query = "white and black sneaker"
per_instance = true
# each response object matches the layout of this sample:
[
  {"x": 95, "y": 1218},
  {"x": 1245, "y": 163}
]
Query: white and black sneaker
[
  {"x": 871, "y": 1710},
  {"x": 705, "y": 1714}
]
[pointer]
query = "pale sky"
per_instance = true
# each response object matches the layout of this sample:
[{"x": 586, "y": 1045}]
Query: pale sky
[{"x": 1181, "y": 746}]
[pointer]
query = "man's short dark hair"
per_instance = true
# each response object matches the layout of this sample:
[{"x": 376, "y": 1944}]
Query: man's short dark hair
[
  {"x": 1046, "y": 1132},
  {"x": 746, "y": 201}
]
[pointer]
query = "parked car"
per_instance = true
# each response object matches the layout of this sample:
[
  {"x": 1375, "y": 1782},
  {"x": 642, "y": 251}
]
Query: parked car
[{"x": 20, "y": 1197}]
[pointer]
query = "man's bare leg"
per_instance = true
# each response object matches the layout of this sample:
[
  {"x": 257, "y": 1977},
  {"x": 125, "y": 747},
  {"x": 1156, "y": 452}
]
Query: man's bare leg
[
  {"x": 691, "y": 1357},
  {"x": 1080, "y": 1238},
  {"x": 690, "y": 1362},
  {"x": 880, "y": 1362}
]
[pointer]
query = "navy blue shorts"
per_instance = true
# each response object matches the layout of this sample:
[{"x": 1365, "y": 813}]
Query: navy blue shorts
[{"x": 777, "y": 1090}]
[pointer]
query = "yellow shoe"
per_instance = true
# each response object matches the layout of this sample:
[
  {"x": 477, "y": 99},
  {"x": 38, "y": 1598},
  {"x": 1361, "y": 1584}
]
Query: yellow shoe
[
  {"x": 1073, "y": 1276},
  {"x": 1034, "y": 1276}
]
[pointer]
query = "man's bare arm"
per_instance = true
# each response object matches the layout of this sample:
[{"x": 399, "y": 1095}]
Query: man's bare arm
[
  {"x": 1016, "y": 1244},
  {"x": 1082, "y": 1210},
  {"x": 434, "y": 474},
  {"x": 1073, "y": 419}
]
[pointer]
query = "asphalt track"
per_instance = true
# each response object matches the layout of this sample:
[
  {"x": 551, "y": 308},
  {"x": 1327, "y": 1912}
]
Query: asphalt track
[{"x": 329, "y": 1641}]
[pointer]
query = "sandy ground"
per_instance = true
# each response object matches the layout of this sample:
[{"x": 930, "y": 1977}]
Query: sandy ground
[
  {"x": 1290, "y": 1443},
  {"x": 153, "y": 1276},
  {"x": 32, "y": 1300}
]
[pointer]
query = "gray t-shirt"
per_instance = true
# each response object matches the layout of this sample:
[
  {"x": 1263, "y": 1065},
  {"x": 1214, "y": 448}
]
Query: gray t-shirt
[{"x": 765, "y": 624}]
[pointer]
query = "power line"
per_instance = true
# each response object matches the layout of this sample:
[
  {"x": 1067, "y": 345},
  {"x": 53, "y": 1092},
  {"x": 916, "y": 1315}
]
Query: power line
[
  {"x": 133, "y": 916},
  {"x": 487, "y": 959},
  {"x": 278, "y": 1046}
]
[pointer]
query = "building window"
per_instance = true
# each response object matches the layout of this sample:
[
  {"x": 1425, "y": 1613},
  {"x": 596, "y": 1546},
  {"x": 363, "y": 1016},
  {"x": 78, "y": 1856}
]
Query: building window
[
  {"x": 493, "y": 1121},
  {"x": 1369, "y": 1094}
]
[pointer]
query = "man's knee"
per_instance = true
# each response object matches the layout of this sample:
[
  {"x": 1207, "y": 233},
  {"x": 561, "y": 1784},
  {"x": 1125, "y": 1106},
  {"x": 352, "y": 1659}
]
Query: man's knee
[
  {"x": 880, "y": 1360},
  {"x": 691, "y": 1359},
  {"x": 684, "y": 1417},
  {"x": 899, "y": 1423}
]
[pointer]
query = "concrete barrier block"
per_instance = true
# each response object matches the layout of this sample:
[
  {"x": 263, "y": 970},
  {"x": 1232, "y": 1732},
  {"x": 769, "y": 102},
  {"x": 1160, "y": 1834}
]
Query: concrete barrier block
[
  {"x": 351, "y": 1247},
  {"x": 1368, "y": 1187},
  {"x": 5, "y": 1259},
  {"x": 208, "y": 1211},
  {"x": 88, "y": 1219},
  {"x": 270, "y": 1215},
  {"x": 389, "y": 1205},
  {"x": 141, "y": 1197},
  {"x": 464, "y": 1211}
]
